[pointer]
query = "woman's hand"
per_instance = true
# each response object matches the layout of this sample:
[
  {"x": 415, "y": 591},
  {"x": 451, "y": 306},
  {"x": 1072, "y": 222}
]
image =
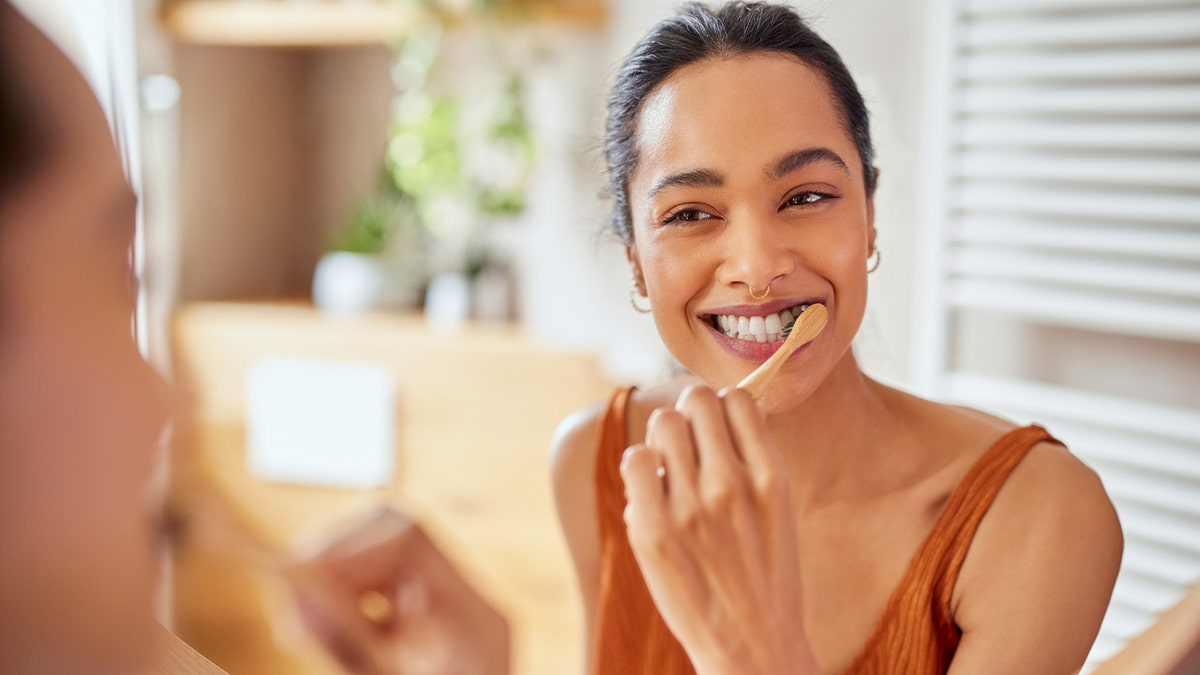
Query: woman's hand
[
  {"x": 714, "y": 535},
  {"x": 384, "y": 600}
]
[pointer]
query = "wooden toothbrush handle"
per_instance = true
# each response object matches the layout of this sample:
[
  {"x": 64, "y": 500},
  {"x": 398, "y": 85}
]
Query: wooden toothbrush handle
[
  {"x": 808, "y": 326},
  {"x": 756, "y": 383}
]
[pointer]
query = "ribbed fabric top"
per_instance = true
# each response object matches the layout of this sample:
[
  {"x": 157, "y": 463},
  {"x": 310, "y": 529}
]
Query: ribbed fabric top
[{"x": 914, "y": 635}]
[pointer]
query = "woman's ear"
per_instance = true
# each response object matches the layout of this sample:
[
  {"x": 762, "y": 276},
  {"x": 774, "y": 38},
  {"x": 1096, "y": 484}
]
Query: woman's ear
[
  {"x": 871, "y": 216},
  {"x": 639, "y": 281}
]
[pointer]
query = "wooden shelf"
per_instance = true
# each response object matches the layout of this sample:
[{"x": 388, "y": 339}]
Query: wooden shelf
[
  {"x": 286, "y": 24},
  {"x": 328, "y": 23}
]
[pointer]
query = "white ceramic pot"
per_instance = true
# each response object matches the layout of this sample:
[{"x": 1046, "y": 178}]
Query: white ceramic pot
[{"x": 349, "y": 282}]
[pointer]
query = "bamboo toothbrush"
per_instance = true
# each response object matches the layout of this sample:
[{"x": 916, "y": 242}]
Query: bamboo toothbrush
[{"x": 799, "y": 332}]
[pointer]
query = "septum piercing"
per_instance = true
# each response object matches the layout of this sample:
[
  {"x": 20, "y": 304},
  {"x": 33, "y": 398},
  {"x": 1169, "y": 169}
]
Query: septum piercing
[{"x": 766, "y": 292}]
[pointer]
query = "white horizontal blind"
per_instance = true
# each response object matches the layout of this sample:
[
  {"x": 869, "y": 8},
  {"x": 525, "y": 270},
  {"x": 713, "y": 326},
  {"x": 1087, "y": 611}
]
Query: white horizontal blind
[{"x": 1067, "y": 203}]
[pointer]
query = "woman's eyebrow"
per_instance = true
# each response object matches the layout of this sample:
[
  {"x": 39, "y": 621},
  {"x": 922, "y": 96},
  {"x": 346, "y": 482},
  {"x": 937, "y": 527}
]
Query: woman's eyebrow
[
  {"x": 694, "y": 178},
  {"x": 802, "y": 158},
  {"x": 786, "y": 164}
]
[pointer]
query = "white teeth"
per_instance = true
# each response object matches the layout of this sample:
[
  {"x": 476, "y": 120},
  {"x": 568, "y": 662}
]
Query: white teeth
[
  {"x": 758, "y": 328},
  {"x": 766, "y": 328},
  {"x": 773, "y": 327}
]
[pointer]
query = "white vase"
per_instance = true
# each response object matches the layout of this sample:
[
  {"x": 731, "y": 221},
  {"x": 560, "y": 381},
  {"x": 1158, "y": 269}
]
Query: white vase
[
  {"x": 349, "y": 282},
  {"x": 448, "y": 301}
]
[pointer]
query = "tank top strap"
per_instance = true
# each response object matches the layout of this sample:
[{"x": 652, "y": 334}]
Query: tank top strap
[
  {"x": 610, "y": 489},
  {"x": 917, "y": 625},
  {"x": 947, "y": 545}
]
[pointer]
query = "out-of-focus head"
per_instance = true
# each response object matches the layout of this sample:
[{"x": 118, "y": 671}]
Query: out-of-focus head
[
  {"x": 80, "y": 410},
  {"x": 697, "y": 34}
]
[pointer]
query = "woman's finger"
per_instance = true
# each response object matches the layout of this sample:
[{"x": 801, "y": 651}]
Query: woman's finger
[
  {"x": 715, "y": 448},
  {"x": 646, "y": 501},
  {"x": 749, "y": 432},
  {"x": 370, "y": 552},
  {"x": 336, "y": 621},
  {"x": 669, "y": 434}
]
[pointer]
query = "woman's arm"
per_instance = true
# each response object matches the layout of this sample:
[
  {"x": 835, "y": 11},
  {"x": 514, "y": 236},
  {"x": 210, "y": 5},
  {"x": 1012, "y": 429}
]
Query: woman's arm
[
  {"x": 1037, "y": 580},
  {"x": 573, "y": 457}
]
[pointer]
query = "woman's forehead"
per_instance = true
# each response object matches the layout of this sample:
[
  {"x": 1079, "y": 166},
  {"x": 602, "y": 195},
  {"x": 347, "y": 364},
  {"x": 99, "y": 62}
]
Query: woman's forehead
[{"x": 741, "y": 106}]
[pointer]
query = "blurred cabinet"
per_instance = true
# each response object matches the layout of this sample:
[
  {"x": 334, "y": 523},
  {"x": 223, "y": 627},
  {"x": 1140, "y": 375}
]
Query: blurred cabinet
[
  {"x": 282, "y": 127},
  {"x": 475, "y": 412},
  {"x": 279, "y": 135}
]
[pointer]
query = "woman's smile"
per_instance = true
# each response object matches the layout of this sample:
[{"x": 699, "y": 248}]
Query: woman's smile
[{"x": 755, "y": 332}]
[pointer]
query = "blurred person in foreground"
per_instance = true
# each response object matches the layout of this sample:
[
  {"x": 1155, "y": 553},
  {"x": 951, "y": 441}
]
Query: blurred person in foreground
[{"x": 81, "y": 414}]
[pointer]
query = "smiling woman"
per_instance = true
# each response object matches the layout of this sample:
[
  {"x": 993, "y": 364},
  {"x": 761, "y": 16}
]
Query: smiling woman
[{"x": 838, "y": 525}]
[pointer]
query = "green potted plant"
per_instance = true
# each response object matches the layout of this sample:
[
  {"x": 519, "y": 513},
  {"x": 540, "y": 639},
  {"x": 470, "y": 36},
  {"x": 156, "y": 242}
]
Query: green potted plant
[
  {"x": 377, "y": 260},
  {"x": 465, "y": 157}
]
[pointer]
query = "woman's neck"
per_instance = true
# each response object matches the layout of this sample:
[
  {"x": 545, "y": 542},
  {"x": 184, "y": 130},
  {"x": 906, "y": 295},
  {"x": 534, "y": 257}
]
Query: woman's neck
[{"x": 831, "y": 443}]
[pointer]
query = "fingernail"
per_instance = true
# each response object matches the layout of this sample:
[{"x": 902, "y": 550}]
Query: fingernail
[{"x": 626, "y": 455}]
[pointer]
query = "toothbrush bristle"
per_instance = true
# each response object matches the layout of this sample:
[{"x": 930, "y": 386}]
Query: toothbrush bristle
[{"x": 787, "y": 330}]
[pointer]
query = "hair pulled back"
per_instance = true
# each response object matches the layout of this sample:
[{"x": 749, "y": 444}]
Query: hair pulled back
[{"x": 695, "y": 34}]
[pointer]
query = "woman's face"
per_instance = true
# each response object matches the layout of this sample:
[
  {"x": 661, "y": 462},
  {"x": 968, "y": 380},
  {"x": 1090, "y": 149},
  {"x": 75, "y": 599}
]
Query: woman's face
[
  {"x": 80, "y": 410},
  {"x": 747, "y": 178}
]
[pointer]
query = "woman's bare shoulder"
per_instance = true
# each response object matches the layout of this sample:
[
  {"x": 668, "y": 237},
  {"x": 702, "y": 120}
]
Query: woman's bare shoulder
[
  {"x": 1047, "y": 551},
  {"x": 573, "y": 447}
]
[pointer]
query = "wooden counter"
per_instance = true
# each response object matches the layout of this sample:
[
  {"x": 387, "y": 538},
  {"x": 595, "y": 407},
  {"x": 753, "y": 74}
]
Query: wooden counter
[{"x": 474, "y": 416}]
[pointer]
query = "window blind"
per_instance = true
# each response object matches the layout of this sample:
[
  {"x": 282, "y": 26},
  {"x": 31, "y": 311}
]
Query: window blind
[{"x": 1064, "y": 219}]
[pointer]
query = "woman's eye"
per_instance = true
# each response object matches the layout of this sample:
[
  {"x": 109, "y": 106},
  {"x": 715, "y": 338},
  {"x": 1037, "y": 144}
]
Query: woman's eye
[
  {"x": 807, "y": 198},
  {"x": 686, "y": 216}
]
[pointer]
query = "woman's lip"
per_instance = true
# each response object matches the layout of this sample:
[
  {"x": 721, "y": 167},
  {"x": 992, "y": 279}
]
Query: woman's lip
[
  {"x": 761, "y": 309},
  {"x": 751, "y": 351}
]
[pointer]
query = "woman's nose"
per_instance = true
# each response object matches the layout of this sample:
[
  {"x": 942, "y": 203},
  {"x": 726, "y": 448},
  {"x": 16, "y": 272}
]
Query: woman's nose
[{"x": 755, "y": 256}]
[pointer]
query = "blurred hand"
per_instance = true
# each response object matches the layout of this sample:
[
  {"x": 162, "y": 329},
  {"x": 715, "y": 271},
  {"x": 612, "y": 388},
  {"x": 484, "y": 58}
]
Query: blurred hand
[
  {"x": 384, "y": 600},
  {"x": 714, "y": 535}
]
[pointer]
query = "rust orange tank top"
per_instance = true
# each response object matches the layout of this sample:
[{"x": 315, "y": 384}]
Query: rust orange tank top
[{"x": 916, "y": 633}]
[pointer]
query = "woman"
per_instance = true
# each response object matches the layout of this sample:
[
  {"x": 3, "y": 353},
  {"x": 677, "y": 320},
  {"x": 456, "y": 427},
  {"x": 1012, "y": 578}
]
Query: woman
[{"x": 839, "y": 524}]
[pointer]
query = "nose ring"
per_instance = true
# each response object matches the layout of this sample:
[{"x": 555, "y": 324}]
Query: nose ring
[{"x": 765, "y": 293}]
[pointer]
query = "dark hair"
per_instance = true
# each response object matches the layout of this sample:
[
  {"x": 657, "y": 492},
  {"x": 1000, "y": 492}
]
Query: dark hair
[
  {"x": 22, "y": 136},
  {"x": 696, "y": 33}
]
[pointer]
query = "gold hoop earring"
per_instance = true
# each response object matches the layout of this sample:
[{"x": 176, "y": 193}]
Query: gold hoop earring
[
  {"x": 634, "y": 294},
  {"x": 766, "y": 292},
  {"x": 873, "y": 260}
]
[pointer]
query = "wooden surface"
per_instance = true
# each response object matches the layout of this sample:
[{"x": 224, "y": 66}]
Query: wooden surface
[
  {"x": 286, "y": 24},
  {"x": 175, "y": 657},
  {"x": 475, "y": 413},
  {"x": 335, "y": 24}
]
